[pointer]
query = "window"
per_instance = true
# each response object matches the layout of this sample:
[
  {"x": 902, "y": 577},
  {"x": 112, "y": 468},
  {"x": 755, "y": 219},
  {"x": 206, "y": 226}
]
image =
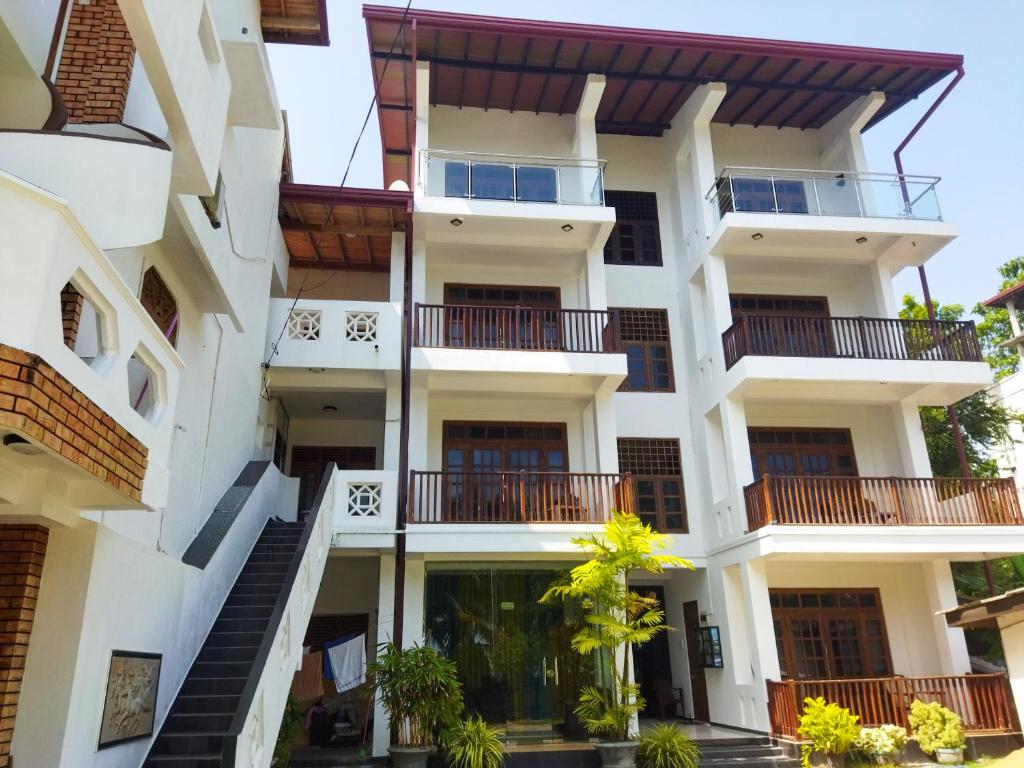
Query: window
[
  {"x": 657, "y": 470},
  {"x": 830, "y": 633},
  {"x": 644, "y": 337},
  {"x": 157, "y": 300},
  {"x": 801, "y": 451},
  {"x": 766, "y": 304},
  {"x": 635, "y": 240}
]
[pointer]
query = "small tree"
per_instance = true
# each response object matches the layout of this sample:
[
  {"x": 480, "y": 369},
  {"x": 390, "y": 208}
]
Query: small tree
[{"x": 615, "y": 617}]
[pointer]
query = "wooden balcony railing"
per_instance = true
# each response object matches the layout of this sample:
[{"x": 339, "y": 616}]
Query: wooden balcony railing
[
  {"x": 818, "y": 500},
  {"x": 983, "y": 702},
  {"x": 514, "y": 328},
  {"x": 518, "y": 497},
  {"x": 860, "y": 338}
]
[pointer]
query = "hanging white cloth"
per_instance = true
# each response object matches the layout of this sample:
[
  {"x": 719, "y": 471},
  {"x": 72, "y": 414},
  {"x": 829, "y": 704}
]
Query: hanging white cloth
[{"x": 348, "y": 662}]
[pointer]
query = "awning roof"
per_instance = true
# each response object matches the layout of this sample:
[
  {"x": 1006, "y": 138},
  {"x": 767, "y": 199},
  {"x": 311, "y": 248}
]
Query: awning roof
[
  {"x": 1013, "y": 293},
  {"x": 358, "y": 236},
  {"x": 517, "y": 64},
  {"x": 295, "y": 21},
  {"x": 983, "y": 613}
]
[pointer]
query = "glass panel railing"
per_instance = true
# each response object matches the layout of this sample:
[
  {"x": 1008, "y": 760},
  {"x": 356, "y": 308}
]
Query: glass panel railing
[
  {"x": 522, "y": 179},
  {"x": 825, "y": 193}
]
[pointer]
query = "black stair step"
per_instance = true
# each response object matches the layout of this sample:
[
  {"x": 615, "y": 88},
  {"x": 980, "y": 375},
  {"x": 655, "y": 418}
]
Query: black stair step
[
  {"x": 735, "y": 741},
  {"x": 218, "y": 686},
  {"x": 770, "y": 761},
  {"x": 201, "y": 743},
  {"x": 745, "y": 750},
  {"x": 223, "y": 639},
  {"x": 205, "y": 705},
  {"x": 261, "y": 612},
  {"x": 256, "y": 602},
  {"x": 203, "y": 669},
  {"x": 211, "y": 760},
  {"x": 261, "y": 589},
  {"x": 198, "y": 721},
  {"x": 274, "y": 548},
  {"x": 228, "y": 653},
  {"x": 248, "y": 579},
  {"x": 250, "y": 567},
  {"x": 270, "y": 559},
  {"x": 240, "y": 625}
]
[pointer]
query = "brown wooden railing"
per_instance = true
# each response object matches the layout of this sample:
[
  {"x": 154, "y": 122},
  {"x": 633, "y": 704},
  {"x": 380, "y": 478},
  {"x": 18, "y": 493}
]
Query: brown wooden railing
[
  {"x": 983, "y": 702},
  {"x": 861, "y": 338},
  {"x": 514, "y": 328},
  {"x": 818, "y": 500},
  {"x": 518, "y": 497}
]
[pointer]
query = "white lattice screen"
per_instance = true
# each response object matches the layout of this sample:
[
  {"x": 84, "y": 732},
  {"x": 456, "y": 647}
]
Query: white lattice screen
[
  {"x": 361, "y": 326},
  {"x": 304, "y": 324},
  {"x": 364, "y": 499}
]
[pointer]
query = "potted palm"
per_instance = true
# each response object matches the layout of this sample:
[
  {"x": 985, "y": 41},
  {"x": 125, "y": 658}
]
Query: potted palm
[
  {"x": 937, "y": 731},
  {"x": 422, "y": 696},
  {"x": 615, "y": 618}
]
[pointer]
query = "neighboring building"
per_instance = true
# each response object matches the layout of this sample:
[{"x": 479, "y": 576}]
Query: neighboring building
[
  {"x": 1009, "y": 392},
  {"x": 584, "y": 288}
]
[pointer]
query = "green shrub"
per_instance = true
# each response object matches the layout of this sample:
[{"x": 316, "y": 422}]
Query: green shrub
[
  {"x": 665, "y": 746},
  {"x": 471, "y": 743},
  {"x": 882, "y": 741},
  {"x": 935, "y": 727},
  {"x": 290, "y": 721},
  {"x": 831, "y": 729}
]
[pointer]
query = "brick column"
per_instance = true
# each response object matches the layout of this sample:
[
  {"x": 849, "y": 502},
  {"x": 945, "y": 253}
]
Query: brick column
[
  {"x": 95, "y": 63},
  {"x": 71, "y": 313},
  {"x": 22, "y": 550}
]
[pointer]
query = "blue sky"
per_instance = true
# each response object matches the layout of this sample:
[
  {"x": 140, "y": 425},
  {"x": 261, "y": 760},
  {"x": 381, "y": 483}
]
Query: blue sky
[{"x": 975, "y": 141}]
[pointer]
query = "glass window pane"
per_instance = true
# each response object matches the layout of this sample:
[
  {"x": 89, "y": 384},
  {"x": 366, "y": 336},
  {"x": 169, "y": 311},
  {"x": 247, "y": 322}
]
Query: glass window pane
[
  {"x": 492, "y": 182},
  {"x": 536, "y": 184},
  {"x": 636, "y": 367},
  {"x": 456, "y": 179}
]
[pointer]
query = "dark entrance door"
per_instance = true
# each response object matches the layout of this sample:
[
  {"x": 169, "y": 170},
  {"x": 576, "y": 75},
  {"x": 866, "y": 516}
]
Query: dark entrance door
[
  {"x": 698, "y": 685},
  {"x": 652, "y": 668},
  {"x": 310, "y": 461}
]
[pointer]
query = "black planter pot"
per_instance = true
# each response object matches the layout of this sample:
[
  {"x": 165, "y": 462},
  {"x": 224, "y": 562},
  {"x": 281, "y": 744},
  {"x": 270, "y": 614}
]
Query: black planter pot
[
  {"x": 409, "y": 757},
  {"x": 618, "y": 754}
]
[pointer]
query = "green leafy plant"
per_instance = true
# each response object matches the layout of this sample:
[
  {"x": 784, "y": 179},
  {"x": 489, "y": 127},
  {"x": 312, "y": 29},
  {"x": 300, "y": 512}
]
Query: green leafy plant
[
  {"x": 883, "y": 741},
  {"x": 290, "y": 721},
  {"x": 665, "y": 746},
  {"x": 420, "y": 692},
  {"x": 935, "y": 727},
  {"x": 615, "y": 617},
  {"x": 471, "y": 743},
  {"x": 830, "y": 729}
]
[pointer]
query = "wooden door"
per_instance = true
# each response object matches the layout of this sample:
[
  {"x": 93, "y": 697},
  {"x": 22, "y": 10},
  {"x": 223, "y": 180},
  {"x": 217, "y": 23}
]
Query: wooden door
[
  {"x": 698, "y": 683},
  {"x": 310, "y": 461}
]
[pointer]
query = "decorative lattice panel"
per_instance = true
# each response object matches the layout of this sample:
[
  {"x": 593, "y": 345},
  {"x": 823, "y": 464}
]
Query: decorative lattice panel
[
  {"x": 364, "y": 499},
  {"x": 361, "y": 326},
  {"x": 304, "y": 324}
]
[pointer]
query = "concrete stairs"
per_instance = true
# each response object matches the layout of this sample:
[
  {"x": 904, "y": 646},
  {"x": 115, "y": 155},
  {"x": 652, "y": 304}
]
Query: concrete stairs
[
  {"x": 192, "y": 735},
  {"x": 743, "y": 752}
]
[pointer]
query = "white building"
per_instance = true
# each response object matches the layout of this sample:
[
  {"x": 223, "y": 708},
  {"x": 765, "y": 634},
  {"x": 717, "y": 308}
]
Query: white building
[{"x": 585, "y": 288}]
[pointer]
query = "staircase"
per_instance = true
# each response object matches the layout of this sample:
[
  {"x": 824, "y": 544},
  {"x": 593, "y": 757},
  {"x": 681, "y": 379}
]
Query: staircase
[
  {"x": 743, "y": 752},
  {"x": 193, "y": 734}
]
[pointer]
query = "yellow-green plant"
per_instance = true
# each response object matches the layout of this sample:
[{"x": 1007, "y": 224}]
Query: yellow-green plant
[
  {"x": 883, "y": 741},
  {"x": 471, "y": 743},
  {"x": 665, "y": 746},
  {"x": 615, "y": 617},
  {"x": 935, "y": 727},
  {"x": 829, "y": 728}
]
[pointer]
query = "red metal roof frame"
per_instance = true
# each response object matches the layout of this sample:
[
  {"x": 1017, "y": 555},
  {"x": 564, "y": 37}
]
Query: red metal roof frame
[
  {"x": 320, "y": 37},
  {"x": 541, "y": 66},
  {"x": 326, "y": 195},
  {"x": 1013, "y": 293}
]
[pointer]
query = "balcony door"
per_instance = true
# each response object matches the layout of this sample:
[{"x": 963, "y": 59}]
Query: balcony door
[
  {"x": 502, "y": 317},
  {"x": 801, "y": 451},
  {"x": 785, "y": 325},
  {"x": 494, "y": 469},
  {"x": 310, "y": 461}
]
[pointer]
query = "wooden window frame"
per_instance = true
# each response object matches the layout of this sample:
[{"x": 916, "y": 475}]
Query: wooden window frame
[
  {"x": 646, "y": 345},
  {"x": 860, "y": 614},
  {"x": 533, "y": 304},
  {"x": 159, "y": 302},
  {"x": 658, "y": 479},
  {"x": 504, "y": 444},
  {"x": 613, "y": 246},
  {"x": 828, "y": 447},
  {"x": 736, "y": 298}
]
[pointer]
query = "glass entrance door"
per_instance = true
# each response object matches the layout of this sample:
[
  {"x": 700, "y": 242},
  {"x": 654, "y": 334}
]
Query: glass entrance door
[{"x": 513, "y": 654}]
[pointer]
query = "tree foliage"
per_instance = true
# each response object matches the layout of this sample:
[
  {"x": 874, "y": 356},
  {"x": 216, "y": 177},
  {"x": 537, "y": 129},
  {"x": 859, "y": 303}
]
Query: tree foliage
[{"x": 994, "y": 324}]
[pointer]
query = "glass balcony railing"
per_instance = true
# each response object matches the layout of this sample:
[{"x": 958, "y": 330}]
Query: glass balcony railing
[
  {"x": 515, "y": 178},
  {"x": 825, "y": 193}
]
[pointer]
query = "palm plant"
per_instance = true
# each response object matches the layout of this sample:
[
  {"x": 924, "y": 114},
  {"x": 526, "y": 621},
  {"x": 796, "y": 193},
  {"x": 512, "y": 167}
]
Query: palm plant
[
  {"x": 471, "y": 743},
  {"x": 616, "y": 617}
]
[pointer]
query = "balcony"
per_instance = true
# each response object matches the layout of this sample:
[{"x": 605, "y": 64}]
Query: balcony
[
  {"x": 365, "y": 503},
  {"x": 881, "y": 501},
  {"x": 333, "y": 337},
  {"x": 518, "y": 497},
  {"x": 983, "y": 702},
  {"x": 863, "y": 216},
  {"x": 569, "y": 351},
  {"x": 513, "y": 199},
  {"x": 857, "y": 338},
  {"x": 933, "y": 363}
]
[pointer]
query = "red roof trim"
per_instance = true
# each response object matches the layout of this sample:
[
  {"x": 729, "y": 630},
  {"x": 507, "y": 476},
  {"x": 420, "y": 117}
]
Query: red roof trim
[
  {"x": 653, "y": 37},
  {"x": 315, "y": 193},
  {"x": 1000, "y": 299}
]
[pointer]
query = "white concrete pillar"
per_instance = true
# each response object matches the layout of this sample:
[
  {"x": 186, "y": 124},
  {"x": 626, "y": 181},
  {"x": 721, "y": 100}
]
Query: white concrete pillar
[
  {"x": 419, "y": 271},
  {"x": 606, "y": 432},
  {"x": 385, "y": 633},
  {"x": 596, "y": 296},
  {"x": 419, "y": 457},
  {"x": 881, "y": 288},
  {"x": 941, "y": 595},
  {"x": 396, "y": 276},
  {"x": 765, "y": 654},
  {"x": 839, "y": 140},
  {"x": 1011, "y": 630},
  {"x": 422, "y": 130},
  {"x": 415, "y": 583},
  {"x": 392, "y": 425},
  {"x": 691, "y": 132},
  {"x": 736, "y": 444},
  {"x": 584, "y": 141},
  {"x": 910, "y": 440}
]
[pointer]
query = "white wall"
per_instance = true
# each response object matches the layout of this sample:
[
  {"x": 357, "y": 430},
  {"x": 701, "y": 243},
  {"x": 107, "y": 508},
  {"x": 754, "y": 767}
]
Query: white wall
[
  {"x": 768, "y": 147},
  {"x": 337, "y": 432},
  {"x": 498, "y": 131}
]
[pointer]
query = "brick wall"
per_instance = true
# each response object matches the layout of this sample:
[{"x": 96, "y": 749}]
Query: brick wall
[
  {"x": 71, "y": 313},
  {"x": 95, "y": 63},
  {"x": 22, "y": 550},
  {"x": 40, "y": 403}
]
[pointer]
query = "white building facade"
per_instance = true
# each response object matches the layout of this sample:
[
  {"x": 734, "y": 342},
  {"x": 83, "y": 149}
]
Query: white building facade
[{"x": 612, "y": 269}]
